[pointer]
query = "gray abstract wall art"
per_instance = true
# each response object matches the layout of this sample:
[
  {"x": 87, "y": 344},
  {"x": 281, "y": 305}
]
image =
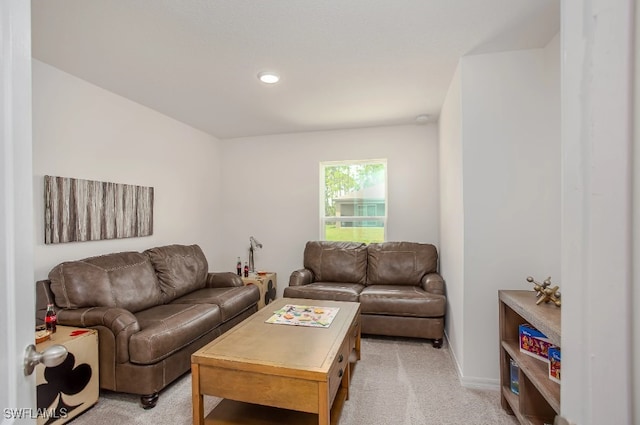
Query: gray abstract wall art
[{"x": 86, "y": 210}]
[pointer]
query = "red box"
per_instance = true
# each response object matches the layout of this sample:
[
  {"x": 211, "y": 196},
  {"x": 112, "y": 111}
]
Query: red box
[
  {"x": 534, "y": 343},
  {"x": 554, "y": 363}
]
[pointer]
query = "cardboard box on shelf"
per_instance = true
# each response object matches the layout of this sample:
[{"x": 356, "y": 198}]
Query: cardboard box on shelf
[
  {"x": 554, "y": 363},
  {"x": 514, "y": 372},
  {"x": 534, "y": 343}
]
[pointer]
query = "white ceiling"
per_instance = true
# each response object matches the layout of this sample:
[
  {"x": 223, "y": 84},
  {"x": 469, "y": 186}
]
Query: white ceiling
[{"x": 343, "y": 63}]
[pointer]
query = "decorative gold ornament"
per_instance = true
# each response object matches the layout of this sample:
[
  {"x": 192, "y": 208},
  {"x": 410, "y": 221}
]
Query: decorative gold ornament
[{"x": 545, "y": 292}]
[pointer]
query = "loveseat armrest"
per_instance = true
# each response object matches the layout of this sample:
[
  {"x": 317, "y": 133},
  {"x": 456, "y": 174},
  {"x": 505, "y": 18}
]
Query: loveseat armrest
[
  {"x": 122, "y": 323},
  {"x": 223, "y": 280},
  {"x": 301, "y": 277},
  {"x": 433, "y": 283}
]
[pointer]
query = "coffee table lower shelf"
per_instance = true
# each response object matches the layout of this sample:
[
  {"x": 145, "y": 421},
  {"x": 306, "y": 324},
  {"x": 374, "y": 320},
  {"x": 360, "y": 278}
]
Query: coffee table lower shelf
[{"x": 231, "y": 412}]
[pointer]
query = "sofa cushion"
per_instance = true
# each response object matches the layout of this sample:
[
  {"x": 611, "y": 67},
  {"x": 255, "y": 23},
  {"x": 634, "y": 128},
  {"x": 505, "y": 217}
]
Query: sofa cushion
[
  {"x": 165, "y": 329},
  {"x": 342, "y": 262},
  {"x": 180, "y": 268},
  {"x": 232, "y": 300},
  {"x": 400, "y": 263},
  {"x": 335, "y": 291},
  {"x": 126, "y": 280},
  {"x": 401, "y": 300}
]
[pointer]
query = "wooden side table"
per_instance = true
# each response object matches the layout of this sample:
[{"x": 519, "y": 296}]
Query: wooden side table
[
  {"x": 65, "y": 391},
  {"x": 267, "y": 283}
]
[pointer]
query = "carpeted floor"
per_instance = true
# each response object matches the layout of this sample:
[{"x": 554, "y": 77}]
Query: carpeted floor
[{"x": 398, "y": 381}]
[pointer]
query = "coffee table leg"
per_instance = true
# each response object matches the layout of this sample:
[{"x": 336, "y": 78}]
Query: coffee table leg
[
  {"x": 346, "y": 379},
  {"x": 358, "y": 342},
  {"x": 198, "y": 399},
  {"x": 324, "y": 409}
]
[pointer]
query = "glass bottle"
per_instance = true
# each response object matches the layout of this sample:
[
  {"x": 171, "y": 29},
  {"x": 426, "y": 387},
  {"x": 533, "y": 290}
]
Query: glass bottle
[
  {"x": 239, "y": 267},
  {"x": 50, "y": 319},
  {"x": 246, "y": 269}
]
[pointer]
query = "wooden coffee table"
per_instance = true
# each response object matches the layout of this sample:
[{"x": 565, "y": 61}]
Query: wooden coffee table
[{"x": 274, "y": 373}]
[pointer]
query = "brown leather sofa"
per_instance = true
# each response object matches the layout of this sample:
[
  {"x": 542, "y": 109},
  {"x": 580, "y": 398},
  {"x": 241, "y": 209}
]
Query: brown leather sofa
[
  {"x": 397, "y": 284},
  {"x": 152, "y": 310}
]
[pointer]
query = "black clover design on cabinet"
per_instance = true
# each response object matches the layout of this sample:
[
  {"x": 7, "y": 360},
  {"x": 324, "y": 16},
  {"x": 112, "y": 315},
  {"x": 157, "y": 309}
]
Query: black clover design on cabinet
[
  {"x": 64, "y": 379},
  {"x": 269, "y": 293}
]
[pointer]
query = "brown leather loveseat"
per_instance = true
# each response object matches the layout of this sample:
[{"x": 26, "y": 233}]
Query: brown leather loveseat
[
  {"x": 152, "y": 310},
  {"x": 397, "y": 284}
]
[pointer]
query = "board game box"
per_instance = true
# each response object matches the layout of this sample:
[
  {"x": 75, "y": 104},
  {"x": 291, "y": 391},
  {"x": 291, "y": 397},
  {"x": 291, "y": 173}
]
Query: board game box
[
  {"x": 514, "y": 372},
  {"x": 304, "y": 315},
  {"x": 534, "y": 343}
]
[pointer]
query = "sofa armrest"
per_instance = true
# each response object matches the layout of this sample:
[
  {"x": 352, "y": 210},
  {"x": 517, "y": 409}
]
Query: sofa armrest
[
  {"x": 301, "y": 277},
  {"x": 223, "y": 280},
  {"x": 433, "y": 283},
  {"x": 122, "y": 323}
]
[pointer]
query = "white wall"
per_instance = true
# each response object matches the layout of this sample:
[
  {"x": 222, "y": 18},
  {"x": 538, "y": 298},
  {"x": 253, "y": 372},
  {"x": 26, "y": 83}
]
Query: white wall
[
  {"x": 598, "y": 215},
  {"x": 511, "y": 179},
  {"x": 271, "y": 189},
  {"x": 452, "y": 215},
  {"x": 83, "y": 131},
  {"x": 510, "y": 127}
]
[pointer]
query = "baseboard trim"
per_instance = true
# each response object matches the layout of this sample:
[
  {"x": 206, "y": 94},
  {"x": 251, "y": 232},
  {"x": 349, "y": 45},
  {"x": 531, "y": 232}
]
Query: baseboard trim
[
  {"x": 454, "y": 358},
  {"x": 481, "y": 383},
  {"x": 472, "y": 382}
]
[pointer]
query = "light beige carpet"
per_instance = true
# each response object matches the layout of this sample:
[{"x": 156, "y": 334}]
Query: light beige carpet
[{"x": 398, "y": 382}]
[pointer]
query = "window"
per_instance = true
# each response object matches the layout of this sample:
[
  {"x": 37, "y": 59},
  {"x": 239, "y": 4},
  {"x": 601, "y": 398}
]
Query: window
[{"x": 353, "y": 200}]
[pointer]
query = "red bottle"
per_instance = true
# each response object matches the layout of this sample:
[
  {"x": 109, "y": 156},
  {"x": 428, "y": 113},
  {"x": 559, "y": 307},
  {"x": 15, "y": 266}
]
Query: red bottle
[
  {"x": 246, "y": 269},
  {"x": 50, "y": 319}
]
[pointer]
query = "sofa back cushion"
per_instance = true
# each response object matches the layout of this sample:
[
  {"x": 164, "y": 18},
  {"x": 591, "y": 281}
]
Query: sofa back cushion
[
  {"x": 125, "y": 280},
  {"x": 341, "y": 262},
  {"x": 401, "y": 263},
  {"x": 180, "y": 268}
]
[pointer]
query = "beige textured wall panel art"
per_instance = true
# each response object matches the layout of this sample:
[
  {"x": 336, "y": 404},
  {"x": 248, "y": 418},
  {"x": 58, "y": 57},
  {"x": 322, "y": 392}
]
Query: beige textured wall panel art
[{"x": 86, "y": 210}]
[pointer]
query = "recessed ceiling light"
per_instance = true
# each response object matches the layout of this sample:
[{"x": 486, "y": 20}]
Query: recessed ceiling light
[
  {"x": 269, "y": 77},
  {"x": 423, "y": 119}
]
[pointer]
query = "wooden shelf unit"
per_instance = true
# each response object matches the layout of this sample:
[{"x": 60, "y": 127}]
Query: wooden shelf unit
[{"x": 539, "y": 399}]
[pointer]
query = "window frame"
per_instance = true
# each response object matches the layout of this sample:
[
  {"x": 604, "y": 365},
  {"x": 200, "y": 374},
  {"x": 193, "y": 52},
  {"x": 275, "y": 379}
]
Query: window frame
[{"x": 323, "y": 219}]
